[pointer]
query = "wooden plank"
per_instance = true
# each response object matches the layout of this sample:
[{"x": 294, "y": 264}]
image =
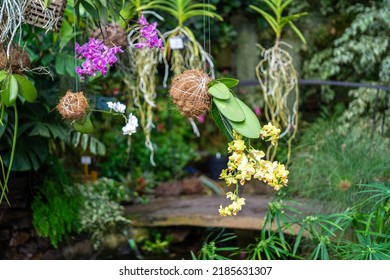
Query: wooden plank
[{"x": 200, "y": 211}]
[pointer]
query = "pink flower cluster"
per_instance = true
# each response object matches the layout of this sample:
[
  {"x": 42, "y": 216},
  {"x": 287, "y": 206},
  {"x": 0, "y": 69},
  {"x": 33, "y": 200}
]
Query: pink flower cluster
[
  {"x": 149, "y": 33},
  {"x": 98, "y": 56}
]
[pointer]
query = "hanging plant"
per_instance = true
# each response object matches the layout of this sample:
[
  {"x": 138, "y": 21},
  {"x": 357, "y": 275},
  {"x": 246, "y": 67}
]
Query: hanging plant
[
  {"x": 182, "y": 49},
  {"x": 145, "y": 46},
  {"x": 277, "y": 76},
  {"x": 194, "y": 93}
]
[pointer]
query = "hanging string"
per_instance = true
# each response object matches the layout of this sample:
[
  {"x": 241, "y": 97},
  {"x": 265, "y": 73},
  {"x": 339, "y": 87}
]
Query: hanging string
[
  {"x": 204, "y": 36},
  {"x": 75, "y": 59},
  {"x": 209, "y": 28}
]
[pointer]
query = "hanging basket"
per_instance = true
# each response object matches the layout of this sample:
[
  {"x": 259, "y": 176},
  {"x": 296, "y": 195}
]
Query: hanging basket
[{"x": 49, "y": 18}]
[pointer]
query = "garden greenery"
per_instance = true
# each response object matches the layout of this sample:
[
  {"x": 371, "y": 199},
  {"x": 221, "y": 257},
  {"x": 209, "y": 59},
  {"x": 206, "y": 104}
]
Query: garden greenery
[
  {"x": 360, "y": 53},
  {"x": 328, "y": 165},
  {"x": 93, "y": 208}
]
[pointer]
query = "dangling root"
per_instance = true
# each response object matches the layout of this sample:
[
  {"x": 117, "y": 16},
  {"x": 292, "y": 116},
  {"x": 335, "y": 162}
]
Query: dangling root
[{"x": 278, "y": 79}]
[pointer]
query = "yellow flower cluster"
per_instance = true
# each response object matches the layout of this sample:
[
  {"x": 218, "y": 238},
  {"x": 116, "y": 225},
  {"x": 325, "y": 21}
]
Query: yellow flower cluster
[
  {"x": 234, "y": 207},
  {"x": 245, "y": 164},
  {"x": 270, "y": 132}
]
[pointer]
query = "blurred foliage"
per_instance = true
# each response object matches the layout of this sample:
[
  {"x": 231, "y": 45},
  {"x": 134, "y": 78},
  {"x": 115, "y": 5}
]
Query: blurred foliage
[
  {"x": 368, "y": 109},
  {"x": 61, "y": 208},
  {"x": 174, "y": 144},
  {"x": 331, "y": 162},
  {"x": 361, "y": 52}
]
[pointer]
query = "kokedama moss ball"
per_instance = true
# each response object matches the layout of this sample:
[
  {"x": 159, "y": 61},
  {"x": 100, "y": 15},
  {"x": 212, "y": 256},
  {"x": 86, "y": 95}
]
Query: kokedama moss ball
[
  {"x": 111, "y": 34},
  {"x": 73, "y": 106},
  {"x": 18, "y": 59},
  {"x": 189, "y": 93}
]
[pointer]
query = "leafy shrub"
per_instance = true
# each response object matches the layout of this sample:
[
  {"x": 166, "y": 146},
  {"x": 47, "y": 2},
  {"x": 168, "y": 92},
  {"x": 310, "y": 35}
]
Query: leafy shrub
[
  {"x": 101, "y": 211},
  {"x": 56, "y": 211}
]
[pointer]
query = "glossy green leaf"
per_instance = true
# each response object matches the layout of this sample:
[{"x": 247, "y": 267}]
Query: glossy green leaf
[
  {"x": 220, "y": 91},
  {"x": 26, "y": 88},
  {"x": 249, "y": 128},
  {"x": 85, "y": 127},
  {"x": 9, "y": 91},
  {"x": 230, "y": 109}
]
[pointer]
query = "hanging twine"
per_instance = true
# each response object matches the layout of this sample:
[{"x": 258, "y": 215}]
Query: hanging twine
[
  {"x": 189, "y": 92},
  {"x": 73, "y": 106}
]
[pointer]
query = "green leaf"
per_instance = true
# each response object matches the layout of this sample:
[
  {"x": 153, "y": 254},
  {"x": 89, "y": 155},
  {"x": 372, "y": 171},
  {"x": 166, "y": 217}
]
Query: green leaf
[
  {"x": 296, "y": 30},
  {"x": 40, "y": 130},
  {"x": 85, "y": 127},
  {"x": 222, "y": 123},
  {"x": 30, "y": 153},
  {"x": 10, "y": 91},
  {"x": 84, "y": 142},
  {"x": 249, "y": 128},
  {"x": 272, "y": 6},
  {"x": 90, "y": 9},
  {"x": 285, "y": 4},
  {"x": 220, "y": 91},
  {"x": 3, "y": 75},
  {"x": 60, "y": 65},
  {"x": 229, "y": 82},
  {"x": 268, "y": 18},
  {"x": 104, "y": 3},
  {"x": 76, "y": 139},
  {"x": 66, "y": 33},
  {"x": 230, "y": 109},
  {"x": 26, "y": 88}
]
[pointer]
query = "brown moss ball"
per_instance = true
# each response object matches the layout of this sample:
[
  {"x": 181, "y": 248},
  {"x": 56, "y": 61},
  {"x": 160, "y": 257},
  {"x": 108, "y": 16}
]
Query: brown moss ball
[
  {"x": 18, "y": 59},
  {"x": 189, "y": 93},
  {"x": 73, "y": 106},
  {"x": 113, "y": 34}
]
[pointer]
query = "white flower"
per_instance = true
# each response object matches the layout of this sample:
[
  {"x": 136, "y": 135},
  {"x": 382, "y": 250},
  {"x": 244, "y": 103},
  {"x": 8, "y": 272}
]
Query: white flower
[
  {"x": 131, "y": 125},
  {"x": 117, "y": 107}
]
